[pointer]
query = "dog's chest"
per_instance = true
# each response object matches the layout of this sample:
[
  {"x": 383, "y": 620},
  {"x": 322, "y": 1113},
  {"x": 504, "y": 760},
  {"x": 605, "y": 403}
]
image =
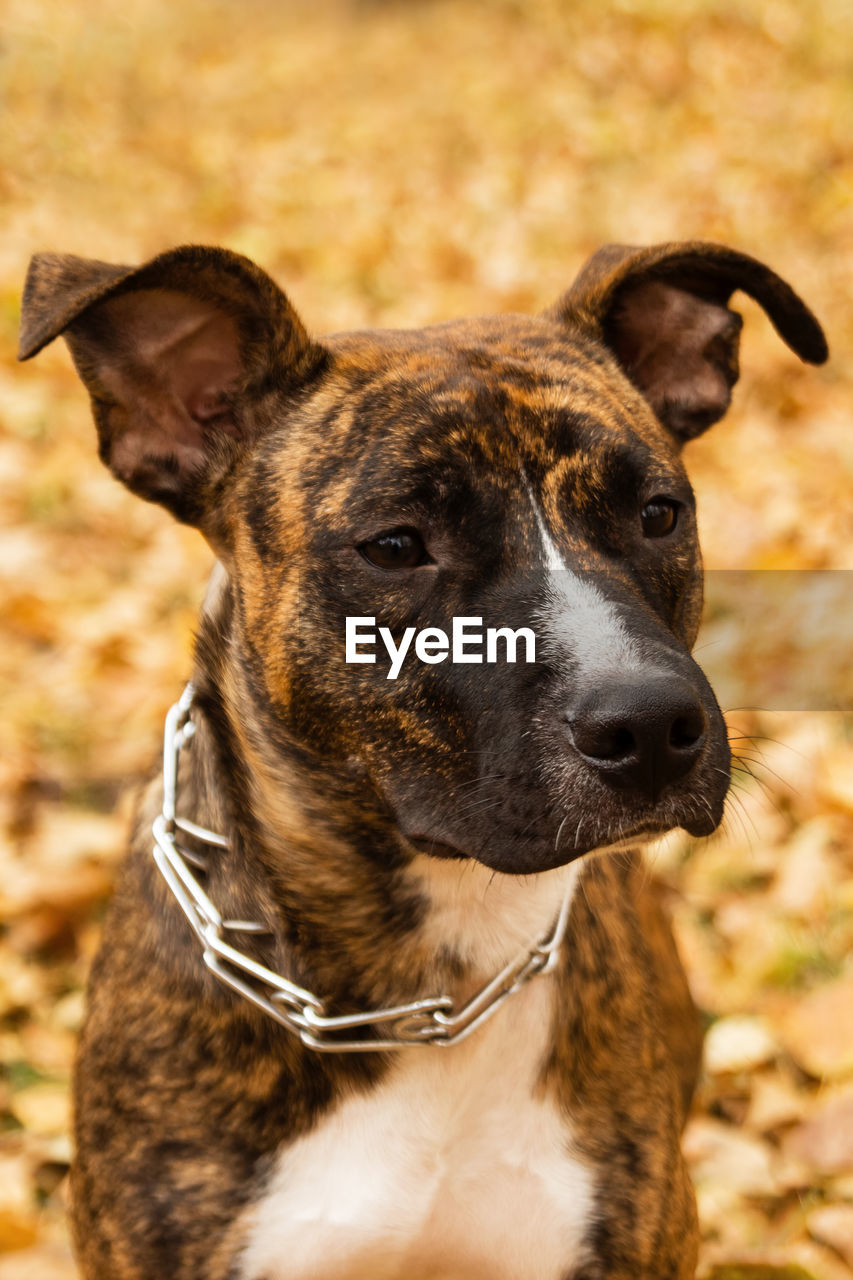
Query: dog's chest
[{"x": 455, "y": 1167}]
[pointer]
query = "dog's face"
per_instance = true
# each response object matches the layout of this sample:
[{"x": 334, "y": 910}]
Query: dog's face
[
  {"x": 496, "y": 470},
  {"x": 521, "y": 471}
]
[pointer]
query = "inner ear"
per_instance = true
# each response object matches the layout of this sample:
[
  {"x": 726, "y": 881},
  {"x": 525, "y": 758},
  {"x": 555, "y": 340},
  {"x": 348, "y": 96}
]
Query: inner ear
[
  {"x": 169, "y": 370},
  {"x": 679, "y": 349},
  {"x": 190, "y": 346},
  {"x": 205, "y": 371}
]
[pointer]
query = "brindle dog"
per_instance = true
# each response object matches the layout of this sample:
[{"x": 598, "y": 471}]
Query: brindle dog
[{"x": 404, "y": 838}]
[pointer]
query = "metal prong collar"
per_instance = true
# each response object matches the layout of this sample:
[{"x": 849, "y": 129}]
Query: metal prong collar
[{"x": 430, "y": 1021}]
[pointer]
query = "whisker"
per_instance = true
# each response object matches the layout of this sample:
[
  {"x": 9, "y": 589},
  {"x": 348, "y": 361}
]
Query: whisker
[{"x": 762, "y": 764}]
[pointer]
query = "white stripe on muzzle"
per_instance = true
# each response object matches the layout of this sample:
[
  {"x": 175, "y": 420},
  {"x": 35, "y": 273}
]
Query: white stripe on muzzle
[{"x": 577, "y": 617}]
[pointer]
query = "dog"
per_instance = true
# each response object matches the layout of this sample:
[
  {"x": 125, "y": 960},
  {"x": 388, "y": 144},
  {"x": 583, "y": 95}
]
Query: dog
[{"x": 394, "y": 997}]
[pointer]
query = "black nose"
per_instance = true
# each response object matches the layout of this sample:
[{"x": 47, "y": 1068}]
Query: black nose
[{"x": 641, "y": 734}]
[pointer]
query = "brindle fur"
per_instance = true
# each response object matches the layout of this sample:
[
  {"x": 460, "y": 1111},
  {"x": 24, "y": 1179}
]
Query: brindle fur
[{"x": 304, "y": 449}]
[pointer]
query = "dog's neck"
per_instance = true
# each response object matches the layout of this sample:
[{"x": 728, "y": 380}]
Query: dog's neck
[{"x": 355, "y": 915}]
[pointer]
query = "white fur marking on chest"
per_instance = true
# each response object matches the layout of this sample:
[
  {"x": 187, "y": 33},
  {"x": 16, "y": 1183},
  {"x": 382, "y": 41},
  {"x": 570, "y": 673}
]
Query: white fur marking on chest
[
  {"x": 454, "y": 1167},
  {"x": 484, "y": 916}
]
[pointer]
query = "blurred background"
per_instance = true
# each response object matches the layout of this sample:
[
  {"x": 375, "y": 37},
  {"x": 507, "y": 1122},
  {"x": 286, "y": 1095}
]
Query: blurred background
[{"x": 394, "y": 164}]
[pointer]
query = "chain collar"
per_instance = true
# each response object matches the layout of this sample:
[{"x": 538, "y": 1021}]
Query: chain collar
[{"x": 423, "y": 1022}]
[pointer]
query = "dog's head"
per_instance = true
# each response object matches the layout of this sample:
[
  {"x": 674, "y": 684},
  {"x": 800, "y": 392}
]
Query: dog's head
[{"x": 522, "y": 471}]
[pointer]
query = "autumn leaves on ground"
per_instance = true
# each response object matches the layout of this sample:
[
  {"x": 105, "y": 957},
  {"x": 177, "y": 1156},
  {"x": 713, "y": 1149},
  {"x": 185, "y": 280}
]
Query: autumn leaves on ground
[{"x": 394, "y": 163}]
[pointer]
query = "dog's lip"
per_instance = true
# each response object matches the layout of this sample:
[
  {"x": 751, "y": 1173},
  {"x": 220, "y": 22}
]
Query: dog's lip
[
  {"x": 702, "y": 824},
  {"x": 644, "y": 831},
  {"x": 433, "y": 847}
]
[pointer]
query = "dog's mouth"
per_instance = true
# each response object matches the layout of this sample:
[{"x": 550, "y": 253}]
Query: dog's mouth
[
  {"x": 621, "y": 837},
  {"x": 522, "y": 830},
  {"x": 435, "y": 848}
]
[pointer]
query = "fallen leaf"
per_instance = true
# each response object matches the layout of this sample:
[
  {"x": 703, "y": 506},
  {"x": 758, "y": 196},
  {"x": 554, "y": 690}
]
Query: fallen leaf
[
  {"x": 774, "y": 1102},
  {"x": 738, "y": 1043},
  {"x": 15, "y": 1198},
  {"x": 727, "y": 1160},
  {"x": 43, "y": 1109},
  {"x": 818, "y": 1030},
  {"x": 16, "y": 1232},
  {"x": 808, "y": 873},
  {"x": 825, "y": 1140},
  {"x": 836, "y": 782},
  {"x": 48, "y": 1050},
  {"x": 49, "y": 1262},
  {"x": 832, "y": 1224}
]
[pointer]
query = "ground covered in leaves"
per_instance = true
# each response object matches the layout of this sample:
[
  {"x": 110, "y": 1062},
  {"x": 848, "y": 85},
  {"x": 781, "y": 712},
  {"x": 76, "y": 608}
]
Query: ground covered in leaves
[{"x": 394, "y": 164}]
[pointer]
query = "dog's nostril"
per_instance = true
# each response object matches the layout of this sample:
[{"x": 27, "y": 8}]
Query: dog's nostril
[
  {"x": 686, "y": 731},
  {"x": 613, "y": 745},
  {"x": 602, "y": 740}
]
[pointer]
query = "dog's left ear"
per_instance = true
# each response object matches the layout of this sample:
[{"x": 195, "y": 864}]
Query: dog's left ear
[
  {"x": 664, "y": 313},
  {"x": 184, "y": 358}
]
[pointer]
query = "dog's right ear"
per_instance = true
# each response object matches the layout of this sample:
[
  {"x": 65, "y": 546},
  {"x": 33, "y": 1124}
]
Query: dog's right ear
[
  {"x": 663, "y": 311},
  {"x": 184, "y": 359}
]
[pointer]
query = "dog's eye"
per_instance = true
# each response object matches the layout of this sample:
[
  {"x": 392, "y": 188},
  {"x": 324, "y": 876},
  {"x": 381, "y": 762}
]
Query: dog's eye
[
  {"x": 396, "y": 549},
  {"x": 659, "y": 517}
]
